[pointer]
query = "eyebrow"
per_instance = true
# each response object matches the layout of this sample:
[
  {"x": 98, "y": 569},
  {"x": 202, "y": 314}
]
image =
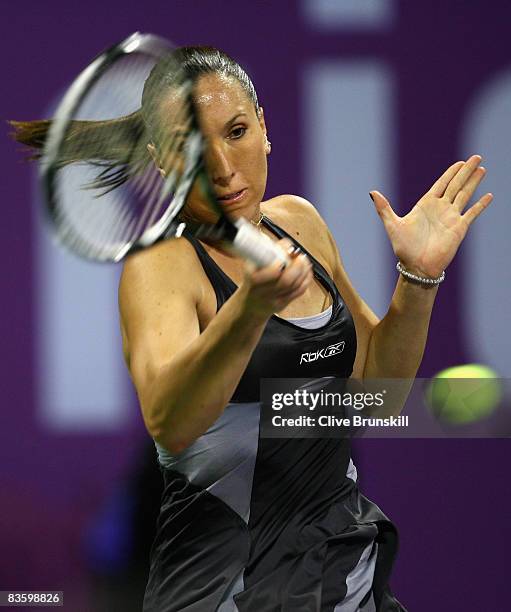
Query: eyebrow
[
  {"x": 231, "y": 121},
  {"x": 180, "y": 133}
]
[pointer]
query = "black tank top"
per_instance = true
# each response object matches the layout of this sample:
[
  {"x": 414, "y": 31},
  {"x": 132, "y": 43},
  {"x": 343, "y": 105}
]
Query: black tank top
[
  {"x": 251, "y": 523},
  {"x": 286, "y": 350}
]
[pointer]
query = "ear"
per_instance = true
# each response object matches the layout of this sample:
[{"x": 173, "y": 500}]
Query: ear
[
  {"x": 154, "y": 156},
  {"x": 260, "y": 117},
  {"x": 262, "y": 123}
]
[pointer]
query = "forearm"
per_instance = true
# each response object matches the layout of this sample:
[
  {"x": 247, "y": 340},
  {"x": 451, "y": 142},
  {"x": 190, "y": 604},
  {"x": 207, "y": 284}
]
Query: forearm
[
  {"x": 397, "y": 343},
  {"x": 191, "y": 391}
]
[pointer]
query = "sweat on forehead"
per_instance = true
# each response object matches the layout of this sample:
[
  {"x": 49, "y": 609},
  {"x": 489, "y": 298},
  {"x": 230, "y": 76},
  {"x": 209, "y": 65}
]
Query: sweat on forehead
[
  {"x": 221, "y": 89},
  {"x": 213, "y": 93},
  {"x": 192, "y": 64}
]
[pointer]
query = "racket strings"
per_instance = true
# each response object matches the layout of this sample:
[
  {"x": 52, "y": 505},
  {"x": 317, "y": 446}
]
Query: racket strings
[
  {"x": 109, "y": 189},
  {"x": 159, "y": 188}
]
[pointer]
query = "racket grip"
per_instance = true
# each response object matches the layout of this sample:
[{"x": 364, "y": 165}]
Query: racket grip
[{"x": 250, "y": 244}]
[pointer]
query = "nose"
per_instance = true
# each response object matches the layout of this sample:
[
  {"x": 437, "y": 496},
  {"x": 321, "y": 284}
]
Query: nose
[{"x": 219, "y": 164}]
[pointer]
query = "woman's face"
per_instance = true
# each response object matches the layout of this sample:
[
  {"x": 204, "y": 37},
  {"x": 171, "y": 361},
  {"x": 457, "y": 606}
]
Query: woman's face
[{"x": 236, "y": 147}]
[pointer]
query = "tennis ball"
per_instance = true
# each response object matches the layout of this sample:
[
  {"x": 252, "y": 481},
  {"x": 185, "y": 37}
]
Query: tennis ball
[{"x": 464, "y": 394}]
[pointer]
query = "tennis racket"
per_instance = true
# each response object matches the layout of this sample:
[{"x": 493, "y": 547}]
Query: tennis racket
[{"x": 105, "y": 197}]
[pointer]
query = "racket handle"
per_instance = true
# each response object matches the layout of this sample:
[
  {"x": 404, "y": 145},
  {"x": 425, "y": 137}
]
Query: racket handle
[{"x": 250, "y": 244}]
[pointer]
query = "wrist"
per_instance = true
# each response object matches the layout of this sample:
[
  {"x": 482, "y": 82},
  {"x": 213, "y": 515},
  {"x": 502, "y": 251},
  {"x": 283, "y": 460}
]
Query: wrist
[{"x": 416, "y": 276}]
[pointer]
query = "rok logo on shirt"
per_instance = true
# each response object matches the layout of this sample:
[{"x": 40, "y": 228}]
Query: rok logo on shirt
[{"x": 333, "y": 349}]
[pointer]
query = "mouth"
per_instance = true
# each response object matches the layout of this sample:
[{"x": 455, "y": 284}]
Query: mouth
[{"x": 234, "y": 196}]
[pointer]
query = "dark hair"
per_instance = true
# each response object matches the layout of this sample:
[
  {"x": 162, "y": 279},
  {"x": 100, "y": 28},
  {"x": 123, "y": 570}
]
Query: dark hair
[
  {"x": 189, "y": 64},
  {"x": 123, "y": 152}
]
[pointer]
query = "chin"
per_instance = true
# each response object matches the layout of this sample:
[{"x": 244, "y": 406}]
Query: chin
[{"x": 243, "y": 209}]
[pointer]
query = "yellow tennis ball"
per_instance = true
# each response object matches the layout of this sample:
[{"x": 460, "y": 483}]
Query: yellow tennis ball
[{"x": 464, "y": 394}]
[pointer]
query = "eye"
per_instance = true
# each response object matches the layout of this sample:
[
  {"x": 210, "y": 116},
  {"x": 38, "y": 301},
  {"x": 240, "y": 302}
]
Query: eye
[{"x": 237, "y": 132}]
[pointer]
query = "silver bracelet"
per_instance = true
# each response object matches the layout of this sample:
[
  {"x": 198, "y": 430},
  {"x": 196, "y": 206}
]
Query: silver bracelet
[{"x": 419, "y": 279}]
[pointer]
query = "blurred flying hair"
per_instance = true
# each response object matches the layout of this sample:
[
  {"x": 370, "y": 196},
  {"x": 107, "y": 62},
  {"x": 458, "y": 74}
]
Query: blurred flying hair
[{"x": 118, "y": 147}]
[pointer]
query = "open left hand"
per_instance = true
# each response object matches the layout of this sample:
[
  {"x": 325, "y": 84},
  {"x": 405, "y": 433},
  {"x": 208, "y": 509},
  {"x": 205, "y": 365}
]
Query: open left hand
[{"x": 427, "y": 238}]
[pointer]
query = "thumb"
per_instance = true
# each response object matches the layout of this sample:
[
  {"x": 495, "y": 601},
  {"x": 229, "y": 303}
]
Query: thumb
[
  {"x": 383, "y": 207},
  {"x": 249, "y": 267}
]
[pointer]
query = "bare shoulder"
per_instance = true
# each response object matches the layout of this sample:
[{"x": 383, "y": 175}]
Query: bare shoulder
[
  {"x": 160, "y": 270},
  {"x": 301, "y": 219},
  {"x": 294, "y": 208},
  {"x": 159, "y": 293},
  {"x": 168, "y": 257}
]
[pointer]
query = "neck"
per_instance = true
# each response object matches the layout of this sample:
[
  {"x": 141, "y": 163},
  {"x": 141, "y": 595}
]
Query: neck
[{"x": 257, "y": 218}]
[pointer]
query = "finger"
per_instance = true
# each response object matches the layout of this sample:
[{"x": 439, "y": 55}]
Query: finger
[
  {"x": 383, "y": 207},
  {"x": 467, "y": 191},
  {"x": 474, "y": 211},
  {"x": 250, "y": 267},
  {"x": 279, "y": 275},
  {"x": 294, "y": 274},
  {"x": 461, "y": 177},
  {"x": 275, "y": 276},
  {"x": 272, "y": 271},
  {"x": 438, "y": 188},
  {"x": 306, "y": 274},
  {"x": 296, "y": 292},
  {"x": 267, "y": 275},
  {"x": 291, "y": 248}
]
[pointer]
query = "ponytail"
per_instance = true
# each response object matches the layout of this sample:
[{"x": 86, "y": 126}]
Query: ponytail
[
  {"x": 30, "y": 133},
  {"x": 117, "y": 146}
]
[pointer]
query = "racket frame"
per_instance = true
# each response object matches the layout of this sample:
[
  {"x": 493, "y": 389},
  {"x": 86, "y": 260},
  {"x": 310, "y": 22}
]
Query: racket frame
[{"x": 243, "y": 237}]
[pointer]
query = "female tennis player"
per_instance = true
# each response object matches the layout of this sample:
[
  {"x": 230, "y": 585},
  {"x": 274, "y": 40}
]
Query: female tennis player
[{"x": 250, "y": 523}]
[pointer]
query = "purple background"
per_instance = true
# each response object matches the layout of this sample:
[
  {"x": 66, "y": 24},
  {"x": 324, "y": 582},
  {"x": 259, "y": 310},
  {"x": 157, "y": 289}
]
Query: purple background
[{"x": 449, "y": 498}]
